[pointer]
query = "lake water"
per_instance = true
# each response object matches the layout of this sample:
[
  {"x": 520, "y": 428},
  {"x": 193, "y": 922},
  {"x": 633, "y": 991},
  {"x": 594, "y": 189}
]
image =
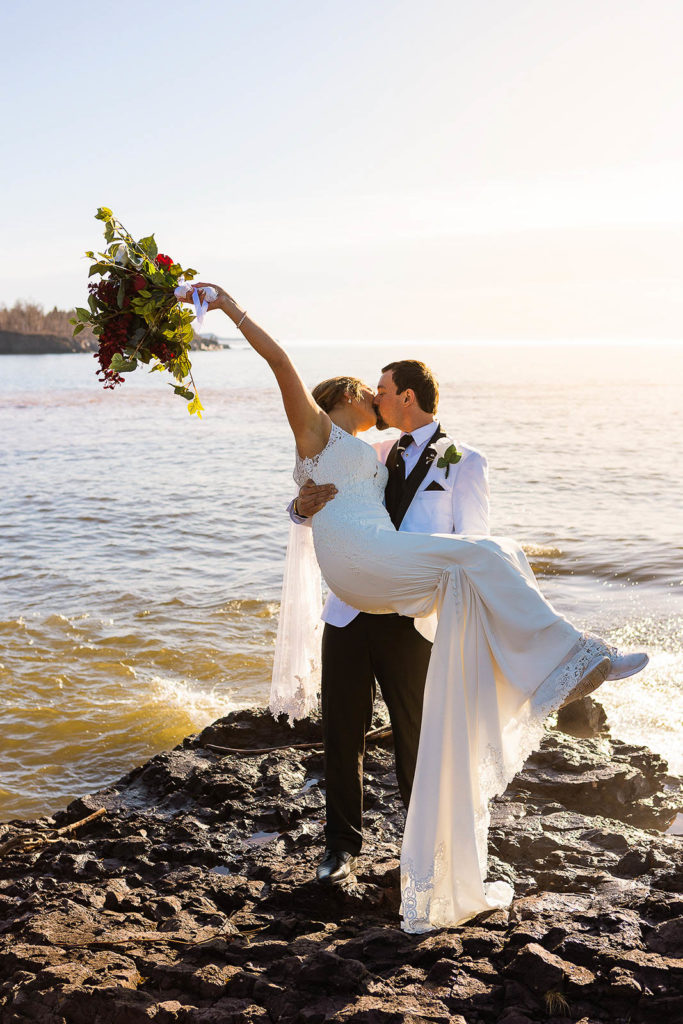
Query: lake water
[{"x": 141, "y": 550}]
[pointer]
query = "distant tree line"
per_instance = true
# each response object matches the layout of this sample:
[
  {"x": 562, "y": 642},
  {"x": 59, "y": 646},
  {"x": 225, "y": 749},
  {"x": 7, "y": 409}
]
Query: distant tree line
[{"x": 31, "y": 318}]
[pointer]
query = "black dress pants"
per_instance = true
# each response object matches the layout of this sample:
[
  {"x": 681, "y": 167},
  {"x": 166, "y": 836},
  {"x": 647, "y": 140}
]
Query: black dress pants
[{"x": 388, "y": 649}]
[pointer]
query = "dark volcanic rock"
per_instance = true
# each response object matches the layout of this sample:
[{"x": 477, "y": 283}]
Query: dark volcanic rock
[
  {"x": 193, "y": 898},
  {"x": 583, "y": 718}
]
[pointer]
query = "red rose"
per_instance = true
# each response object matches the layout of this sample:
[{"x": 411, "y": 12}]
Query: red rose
[
  {"x": 139, "y": 282},
  {"x": 164, "y": 261}
]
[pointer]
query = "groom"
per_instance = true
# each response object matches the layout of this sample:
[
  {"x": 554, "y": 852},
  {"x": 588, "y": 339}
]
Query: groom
[{"x": 360, "y": 649}]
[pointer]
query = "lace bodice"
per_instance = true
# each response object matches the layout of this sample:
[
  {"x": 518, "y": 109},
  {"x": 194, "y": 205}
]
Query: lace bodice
[{"x": 350, "y": 464}]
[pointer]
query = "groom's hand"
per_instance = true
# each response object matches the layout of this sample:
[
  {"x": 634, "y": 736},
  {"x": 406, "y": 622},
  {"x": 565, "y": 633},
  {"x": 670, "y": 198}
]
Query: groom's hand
[{"x": 312, "y": 497}]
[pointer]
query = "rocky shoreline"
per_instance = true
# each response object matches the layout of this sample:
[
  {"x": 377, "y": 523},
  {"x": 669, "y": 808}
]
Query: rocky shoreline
[
  {"x": 15, "y": 343},
  {"x": 192, "y": 899}
]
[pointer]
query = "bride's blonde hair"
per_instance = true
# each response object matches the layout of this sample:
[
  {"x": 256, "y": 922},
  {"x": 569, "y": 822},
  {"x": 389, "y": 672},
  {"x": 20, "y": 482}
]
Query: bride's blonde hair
[{"x": 330, "y": 392}]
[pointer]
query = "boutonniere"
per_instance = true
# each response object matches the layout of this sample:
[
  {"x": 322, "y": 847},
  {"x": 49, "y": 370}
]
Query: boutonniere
[{"x": 450, "y": 457}]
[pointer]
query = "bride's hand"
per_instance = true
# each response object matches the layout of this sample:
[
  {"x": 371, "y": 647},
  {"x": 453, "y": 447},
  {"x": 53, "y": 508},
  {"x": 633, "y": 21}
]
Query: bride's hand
[{"x": 222, "y": 301}]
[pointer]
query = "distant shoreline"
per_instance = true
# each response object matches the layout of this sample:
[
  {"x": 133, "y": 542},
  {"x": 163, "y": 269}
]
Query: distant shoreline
[
  {"x": 15, "y": 343},
  {"x": 20, "y": 343}
]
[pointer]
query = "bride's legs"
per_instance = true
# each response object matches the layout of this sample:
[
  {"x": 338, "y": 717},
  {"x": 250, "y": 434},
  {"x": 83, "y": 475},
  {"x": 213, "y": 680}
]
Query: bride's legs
[
  {"x": 499, "y": 568},
  {"x": 593, "y": 677},
  {"x": 528, "y": 639},
  {"x": 581, "y": 672}
]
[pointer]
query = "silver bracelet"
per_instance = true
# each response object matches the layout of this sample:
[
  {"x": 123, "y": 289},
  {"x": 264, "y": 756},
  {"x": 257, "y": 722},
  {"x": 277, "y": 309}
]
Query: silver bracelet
[{"x": 244, "y": 316}]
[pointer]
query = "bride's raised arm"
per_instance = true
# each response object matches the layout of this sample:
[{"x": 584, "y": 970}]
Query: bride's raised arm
[{"x": 310, "y": 424}]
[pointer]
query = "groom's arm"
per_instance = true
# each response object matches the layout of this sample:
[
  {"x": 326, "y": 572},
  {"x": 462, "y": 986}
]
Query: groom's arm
[
  {"x": 310, "y": 499},
  {"x": 298, "y": 520}
]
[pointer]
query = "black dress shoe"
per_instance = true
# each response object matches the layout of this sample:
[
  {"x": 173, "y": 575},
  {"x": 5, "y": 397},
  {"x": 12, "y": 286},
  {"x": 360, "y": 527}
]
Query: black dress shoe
[{"x": 335, "y": 867}]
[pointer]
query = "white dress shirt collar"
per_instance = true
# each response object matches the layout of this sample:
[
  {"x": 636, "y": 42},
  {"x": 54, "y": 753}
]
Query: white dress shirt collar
[
  {"x": 423, "y": 434},
  {"x": 413, "y": 452}
]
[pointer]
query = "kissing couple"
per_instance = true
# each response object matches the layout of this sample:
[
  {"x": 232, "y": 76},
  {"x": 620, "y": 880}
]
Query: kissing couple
[{"x": 470, "y": 656}]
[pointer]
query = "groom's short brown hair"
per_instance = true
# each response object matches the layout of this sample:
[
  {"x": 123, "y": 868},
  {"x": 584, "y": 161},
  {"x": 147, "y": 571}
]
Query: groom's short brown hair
[{"x": 411, "y": 373}]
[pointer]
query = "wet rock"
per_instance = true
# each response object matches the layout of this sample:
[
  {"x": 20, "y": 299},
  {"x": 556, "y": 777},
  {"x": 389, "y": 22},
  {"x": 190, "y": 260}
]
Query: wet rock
[
  {"x": 441, "y": 975},
  {"x": 513, "y": 1015},
  {"x": 164, "y": 908},
  {"x": 194, "y": 899},
  {"x": 442, "y": 944},
  {"x": 667, "y": 938},
  {"x": 542, "y": 970},
  {"x": 470, "y": 993},
  {"x": 477, "y": 942},
  {"x": 584, "y": 717},
  {"x": 624, "y": 983}
]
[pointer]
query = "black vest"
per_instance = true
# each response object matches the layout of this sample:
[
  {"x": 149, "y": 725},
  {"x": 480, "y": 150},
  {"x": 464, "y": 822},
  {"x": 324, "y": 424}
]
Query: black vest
[{"x": 401, "y": 490}]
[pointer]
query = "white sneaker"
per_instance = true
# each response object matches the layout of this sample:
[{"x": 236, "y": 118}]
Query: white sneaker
[{"x": 624, "y": 665}]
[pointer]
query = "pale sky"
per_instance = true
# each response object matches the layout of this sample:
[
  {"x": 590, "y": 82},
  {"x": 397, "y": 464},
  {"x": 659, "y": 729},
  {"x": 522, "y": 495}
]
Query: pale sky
[{"x": 399, "y": 169}]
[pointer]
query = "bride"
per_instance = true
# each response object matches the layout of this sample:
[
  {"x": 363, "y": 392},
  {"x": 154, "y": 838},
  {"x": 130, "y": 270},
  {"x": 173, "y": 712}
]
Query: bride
[{"x": 501, "y": 661}]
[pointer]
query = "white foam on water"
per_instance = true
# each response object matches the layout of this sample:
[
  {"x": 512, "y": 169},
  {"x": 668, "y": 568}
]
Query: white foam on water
[
  {"x": 647, "y": 709},
  {"x": 202, "y": 706},
  {"x": 541, "y": 551}
]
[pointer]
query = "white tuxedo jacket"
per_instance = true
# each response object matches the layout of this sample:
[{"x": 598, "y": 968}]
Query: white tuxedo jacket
[{"x": 461, "y": 506}]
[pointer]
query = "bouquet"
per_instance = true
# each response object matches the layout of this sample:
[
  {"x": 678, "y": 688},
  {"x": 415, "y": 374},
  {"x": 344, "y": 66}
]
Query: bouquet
[{"x": 134, "y": 311}]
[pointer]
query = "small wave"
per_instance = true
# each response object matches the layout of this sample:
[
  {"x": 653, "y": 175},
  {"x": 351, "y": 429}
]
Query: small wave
[
  {"x": 541, "y": 551},
  {"x": 12, "y": 625},
  {"x": 261, "y": 609},
  {"x": 57, "y": 620},
  {"x": 198, "y": 703},
  {"x": 648, "y": 708},
  {"x": 550, "y": 561}
]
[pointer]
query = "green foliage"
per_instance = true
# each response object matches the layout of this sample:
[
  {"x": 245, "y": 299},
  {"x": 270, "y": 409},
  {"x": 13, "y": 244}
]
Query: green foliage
[
  {"x": 450, "y": 457},
  {"x": 99, "y": 268},
  {"x": 154, "y": 327},
  {"x": 195, "y": 407},
  {"x": 149, "y": 247},
  {"x": 122, "y": 365}
]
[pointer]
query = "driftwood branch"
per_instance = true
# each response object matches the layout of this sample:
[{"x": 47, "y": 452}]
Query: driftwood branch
[
  {"x": 84, "y": 821},
  {"x": 163, "y": 938},
  {"x": 29, "y": 841},
  {"x": 132, "y": 939},
  {"x": 372, "y": 737}
]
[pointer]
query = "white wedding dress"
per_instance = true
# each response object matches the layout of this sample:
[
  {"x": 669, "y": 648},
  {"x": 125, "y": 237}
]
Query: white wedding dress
[{"x": 502, "y": 660}]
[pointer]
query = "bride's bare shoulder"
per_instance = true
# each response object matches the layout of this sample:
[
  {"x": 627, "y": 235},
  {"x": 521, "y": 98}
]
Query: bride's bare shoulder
[{"x": 310, "y": 444}]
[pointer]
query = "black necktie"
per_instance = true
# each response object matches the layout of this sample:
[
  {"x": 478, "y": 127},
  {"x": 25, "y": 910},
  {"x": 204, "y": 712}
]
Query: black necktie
[
  {"x": 400, "y": 491},
  {"x": 404, "y": 441},
  {"x": 397, "y": 479}
]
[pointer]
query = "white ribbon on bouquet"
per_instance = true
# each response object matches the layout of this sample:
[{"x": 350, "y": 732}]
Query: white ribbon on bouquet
[{"x": 201, "y": 305}]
